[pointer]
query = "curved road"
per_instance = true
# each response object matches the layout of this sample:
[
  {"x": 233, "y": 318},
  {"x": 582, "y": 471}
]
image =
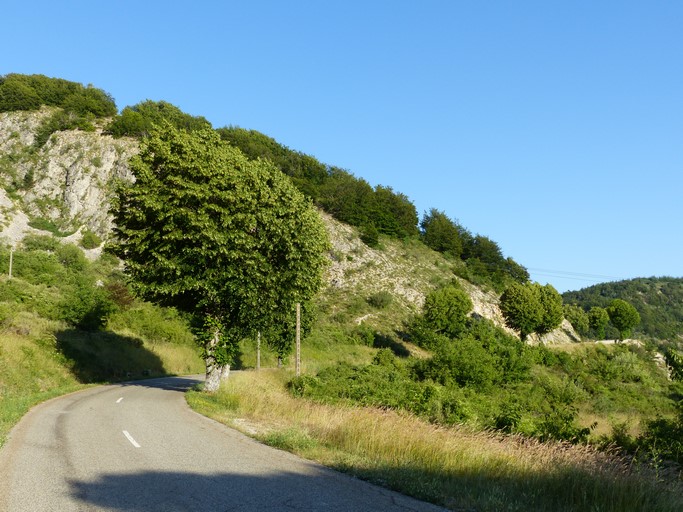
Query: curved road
[{"x": 138, "y": 447}]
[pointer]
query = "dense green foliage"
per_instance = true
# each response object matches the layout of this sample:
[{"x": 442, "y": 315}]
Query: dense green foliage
[
  {"x": 138, "y": 120},
  {"x": 578, "y": 318},
  {"x": 658, "y": 300},
  {"x": 55, "y": 282},
  {"x": 446, "y": 309},
  {"x": 624, "y": 317},
  {"x": 489, "y": 379},
  {"x": 224, "y": 239},
  {"x": 90, "y": 240},
  {"x": 484, "y": 260},
  {"x": 674, "y": 360},
  {"x": 597, "y": 321},
  {"x": 349, "y": 199},
  {"x": 531, "y": 308},
  {"x": 442, "y": 234},
  {"x": 30, "y": 92}
]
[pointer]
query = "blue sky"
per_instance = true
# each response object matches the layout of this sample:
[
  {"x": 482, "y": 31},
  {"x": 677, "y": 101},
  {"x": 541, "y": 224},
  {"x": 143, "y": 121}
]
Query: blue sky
[{"x": 553, "y": 127}]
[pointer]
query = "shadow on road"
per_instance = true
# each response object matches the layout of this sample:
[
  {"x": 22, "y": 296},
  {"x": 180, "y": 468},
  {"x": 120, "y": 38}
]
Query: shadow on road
[
  {"x": 168, "y": 383},
  {"x": 178, "y": 491}
]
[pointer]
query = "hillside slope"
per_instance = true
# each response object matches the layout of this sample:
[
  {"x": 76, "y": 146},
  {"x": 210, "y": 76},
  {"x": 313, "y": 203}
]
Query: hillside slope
[
  {"x": 65, "y": 187},
  {"x": 659, "y": 301}
]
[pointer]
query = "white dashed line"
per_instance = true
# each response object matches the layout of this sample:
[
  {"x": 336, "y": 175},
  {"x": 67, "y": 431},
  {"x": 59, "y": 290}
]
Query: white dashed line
[{"x": 130, "y": 438}]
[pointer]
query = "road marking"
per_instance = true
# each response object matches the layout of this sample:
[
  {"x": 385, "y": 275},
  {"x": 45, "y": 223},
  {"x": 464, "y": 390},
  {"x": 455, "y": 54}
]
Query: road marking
[
  {"x": 119, "y": 400},
  {"x": 130, "y": 438}
]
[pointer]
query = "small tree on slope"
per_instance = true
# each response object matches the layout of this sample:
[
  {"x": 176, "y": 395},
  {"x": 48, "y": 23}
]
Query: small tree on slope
[
  {"x": 531, "y": 308},
  {"x": 623, "y": 316},
  {"x": 229, "y": 241}
]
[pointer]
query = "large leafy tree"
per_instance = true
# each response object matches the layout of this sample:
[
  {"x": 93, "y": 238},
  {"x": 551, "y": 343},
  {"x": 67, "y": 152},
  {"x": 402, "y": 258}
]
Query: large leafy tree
[
  {"x": 521, "y": 307},
  {"x": 531, "y": 307},
  {"x": 623, "y": 316},
  {"x": 229, "y": 241}
]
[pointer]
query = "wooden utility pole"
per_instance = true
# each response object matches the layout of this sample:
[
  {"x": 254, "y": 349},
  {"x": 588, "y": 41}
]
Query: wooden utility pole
[
  {"x": 298, "y": 339},
  {"x": 258, "y": 351}
]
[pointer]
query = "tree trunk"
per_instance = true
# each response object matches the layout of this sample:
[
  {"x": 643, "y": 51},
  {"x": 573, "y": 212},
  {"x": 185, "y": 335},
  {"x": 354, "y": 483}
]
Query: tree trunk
[{"x": 215, "y": 372}]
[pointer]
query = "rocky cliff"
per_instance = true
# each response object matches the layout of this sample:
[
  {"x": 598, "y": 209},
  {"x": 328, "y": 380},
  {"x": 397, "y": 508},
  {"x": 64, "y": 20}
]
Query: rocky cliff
[{"x": 67, "y": 182}]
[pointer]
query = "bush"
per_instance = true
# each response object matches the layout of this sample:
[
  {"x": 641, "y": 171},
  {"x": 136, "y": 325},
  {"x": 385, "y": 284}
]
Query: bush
[
  {"x": 446, "y": 309},
  {"x": 48, "y": 225},
  {"x": 674, "y": 361},
  {"x": 72, "y": 258},
  {"x": 137, "y": 121},
  {"x": 663, "y": 437},
  {"x": 152, "y": 323},
  {"x": 33, "y": 242},
  {"x": 464, "y": 363},
  {"x": 30, "y": 92},
  {"x": 38, "y": 267},
  {"x": 578, "y": 318},
  {"x": 90, "y": 240},
  {"x": 424, "y": 336},
  {"x": 380, "y": 300},
  {"x": 86, "y": 306},
  {"x": 560, "y": 425},
  {"x": 369, "y": 235}
]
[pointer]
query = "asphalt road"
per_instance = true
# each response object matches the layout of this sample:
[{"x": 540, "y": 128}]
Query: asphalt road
[{"x": 138, "y": 447}]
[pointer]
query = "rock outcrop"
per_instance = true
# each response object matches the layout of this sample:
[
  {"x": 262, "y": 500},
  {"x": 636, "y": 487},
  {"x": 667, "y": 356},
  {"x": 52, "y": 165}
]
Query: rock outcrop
[{"x": 68, "y": 181}]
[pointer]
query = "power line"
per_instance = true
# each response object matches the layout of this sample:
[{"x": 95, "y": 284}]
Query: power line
[{"x": 577, "y": 276}]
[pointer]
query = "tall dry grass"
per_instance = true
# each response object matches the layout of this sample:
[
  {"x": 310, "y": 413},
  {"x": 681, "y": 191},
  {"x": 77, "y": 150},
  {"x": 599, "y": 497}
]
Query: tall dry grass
[{"x": 455, "y": 467}]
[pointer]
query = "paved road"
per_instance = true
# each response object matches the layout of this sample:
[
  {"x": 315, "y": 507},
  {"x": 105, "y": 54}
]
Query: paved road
[{"x": 138, "y": 447}]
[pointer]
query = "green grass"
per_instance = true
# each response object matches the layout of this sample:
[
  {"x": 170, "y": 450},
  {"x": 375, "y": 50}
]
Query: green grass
[
  {"x": 41, "y": 359},
  {"x": 455, "y": 467}
]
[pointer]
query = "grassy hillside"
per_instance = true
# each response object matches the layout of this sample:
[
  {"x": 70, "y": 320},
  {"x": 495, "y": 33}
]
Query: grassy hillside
[{"x": 66, "y": 323}]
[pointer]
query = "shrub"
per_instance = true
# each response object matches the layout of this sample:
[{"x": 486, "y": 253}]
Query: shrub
[
  {"x": 578, "y": 318},
  {"x": 446, "y": 309},
  {"x": 48, "y": 225},
  {"x": 38, "y": 267},
  {"x": 72, "y": 258},
  {"x": 424, "y": 336},
  {"x": 30, "y": 92},
  {"x": 369, "y": 235},
  {"x": 560, "y": 425},
  {"x": 85, "y": 306},
  {"x": 32, "y": 242},
  {"x": 152, "y": 323},
  {"x": 464, "y": 362},
  {"x": 137, "y": 121},
  {"x": 90, "y": 240},
  {"x": 380, "y": 300},
  {"x": 664, "y": 437}
]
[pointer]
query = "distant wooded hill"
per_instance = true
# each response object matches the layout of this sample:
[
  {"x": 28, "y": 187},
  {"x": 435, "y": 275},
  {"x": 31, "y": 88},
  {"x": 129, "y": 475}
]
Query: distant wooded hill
[{"x": 659, "y": 300}]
